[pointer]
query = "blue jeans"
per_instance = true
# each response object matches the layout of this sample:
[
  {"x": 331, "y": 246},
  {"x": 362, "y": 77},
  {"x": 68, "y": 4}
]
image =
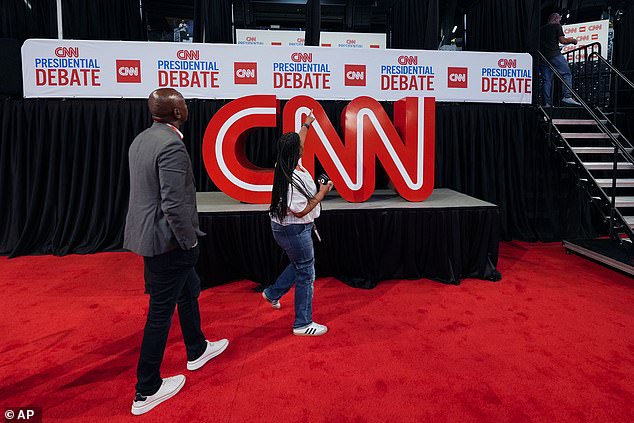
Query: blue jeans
[
  {"x": 297, "y": 242},
  {"x": 562, "y": 67}
]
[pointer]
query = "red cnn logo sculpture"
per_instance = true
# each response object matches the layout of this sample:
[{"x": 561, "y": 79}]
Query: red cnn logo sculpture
[{"x": 404, "y": 148}]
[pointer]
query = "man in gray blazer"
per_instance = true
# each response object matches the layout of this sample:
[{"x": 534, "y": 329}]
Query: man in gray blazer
[{"x": 162, "y": 226}]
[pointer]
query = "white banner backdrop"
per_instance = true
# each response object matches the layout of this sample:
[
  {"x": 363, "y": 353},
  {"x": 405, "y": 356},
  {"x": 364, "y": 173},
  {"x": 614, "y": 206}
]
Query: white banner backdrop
[
  {"x": 587, "y": 33},
  {"x": 107, "y": 69},
  {"x": 263, "y": 37},
  {"x": 352, "y": 40}
]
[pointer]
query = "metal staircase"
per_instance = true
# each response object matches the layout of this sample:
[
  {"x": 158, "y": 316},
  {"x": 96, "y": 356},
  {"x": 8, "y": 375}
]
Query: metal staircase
[{"x": 602, "y": 160}]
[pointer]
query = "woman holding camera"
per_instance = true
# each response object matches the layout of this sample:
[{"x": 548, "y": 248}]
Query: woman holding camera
[{"x": 293, "y": 209}]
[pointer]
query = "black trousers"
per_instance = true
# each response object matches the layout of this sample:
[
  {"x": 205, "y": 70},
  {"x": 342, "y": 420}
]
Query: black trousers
[{"x": 171, "y": 279}]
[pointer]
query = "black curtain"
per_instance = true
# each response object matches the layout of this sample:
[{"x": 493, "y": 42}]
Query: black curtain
[
  {"x": 414, "y": 24},
  {"x": 212, "y": 21},
  {"x": 503, "y": 25},
  {"x": 11, "y": 69},
  {"x": 103, "y": 20},
  {"x": 64, "y": 174},
  {"x": 359, "y": 248},
  {"x": 623, "y": 54},
  {"x": 64, "y": 170},
  {"x": 20, "y": 20},
  {"x": 313, "y": 22}
]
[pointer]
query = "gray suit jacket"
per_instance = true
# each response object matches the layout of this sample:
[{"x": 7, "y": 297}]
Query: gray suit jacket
[{"x": 162, "y": 213}]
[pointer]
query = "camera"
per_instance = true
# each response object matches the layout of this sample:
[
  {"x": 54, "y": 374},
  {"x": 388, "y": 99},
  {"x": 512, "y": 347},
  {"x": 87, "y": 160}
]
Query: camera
[{"x": 323, "y": 179}]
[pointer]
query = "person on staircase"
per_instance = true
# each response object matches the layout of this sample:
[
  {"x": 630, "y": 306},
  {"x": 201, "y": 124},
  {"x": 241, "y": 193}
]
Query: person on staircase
[{"x": 551, "y": 35}]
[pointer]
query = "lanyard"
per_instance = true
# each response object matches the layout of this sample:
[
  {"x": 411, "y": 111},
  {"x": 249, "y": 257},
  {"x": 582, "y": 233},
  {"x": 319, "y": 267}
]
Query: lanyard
[{"x": 173, "y": 128}]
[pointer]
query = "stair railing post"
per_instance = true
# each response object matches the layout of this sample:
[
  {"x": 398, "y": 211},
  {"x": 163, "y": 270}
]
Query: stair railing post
[
  {"x": 550, "y": 133},
  {"x": 613, "y": 194},
  {"x": 616, "y": 99},
  {"x": 593, "y": 72},
  {"x": 585, "y": 74}
]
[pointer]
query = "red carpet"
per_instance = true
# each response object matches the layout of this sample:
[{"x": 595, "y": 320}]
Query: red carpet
[{"x": 553, "y": 341}]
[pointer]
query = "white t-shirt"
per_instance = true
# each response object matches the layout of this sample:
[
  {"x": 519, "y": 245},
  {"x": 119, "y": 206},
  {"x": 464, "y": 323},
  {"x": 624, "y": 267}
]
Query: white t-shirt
[{"x": 297, "y": 202}]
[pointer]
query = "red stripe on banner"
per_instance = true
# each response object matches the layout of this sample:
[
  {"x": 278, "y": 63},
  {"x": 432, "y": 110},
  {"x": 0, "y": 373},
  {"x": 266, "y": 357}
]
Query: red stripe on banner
[
  {"x": 276, "y": 43},
  {"x": 595, "y": 36},
  {"x": 375, "y": 46},
  {"x": 326, "y": 45}
]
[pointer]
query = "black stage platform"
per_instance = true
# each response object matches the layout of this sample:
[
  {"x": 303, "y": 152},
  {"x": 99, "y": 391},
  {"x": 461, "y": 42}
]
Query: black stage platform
[
  {"x": 607, "y": 251},
  {"x": 448, "y": 237}
]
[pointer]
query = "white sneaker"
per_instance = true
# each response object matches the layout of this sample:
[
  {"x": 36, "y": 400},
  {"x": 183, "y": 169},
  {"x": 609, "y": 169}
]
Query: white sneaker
[
  {"x": 274, "y": 303},
  {"x": 213, "y": 349},
  {"x": 168, "y": 389},
  {"x": 314, "y": 329},
  {"x": 570, "y": 101}
]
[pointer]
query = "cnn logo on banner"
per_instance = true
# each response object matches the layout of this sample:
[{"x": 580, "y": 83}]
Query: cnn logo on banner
[
  {"x": 188, "y": 54},
  {"x": 457, "y": 77},
  {"x": 67, "y": 52},
  {"x": 404, "y": 148},
  {"x": 355, "y": 75},
  {"x": 129, "y": 71},
  {"x": 245, "y": 73},
  {"x": 302, "y": 57}
]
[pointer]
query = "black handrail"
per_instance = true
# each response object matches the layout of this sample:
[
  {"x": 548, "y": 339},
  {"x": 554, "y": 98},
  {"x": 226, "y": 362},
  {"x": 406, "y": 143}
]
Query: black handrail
[
  {"x": 615, "y": 70},
  {"x": 579, "y": 61},
  {"x": 603, "y": 116},
  {"x": 616, "y": 83},
  {"x": 617, "y": 146}
]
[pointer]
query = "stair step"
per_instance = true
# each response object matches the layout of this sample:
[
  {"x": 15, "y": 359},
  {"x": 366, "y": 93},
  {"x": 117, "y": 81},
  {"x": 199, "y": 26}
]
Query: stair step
[
  {"x": 620, "y": 183},
  {"x": 624, "y": 201},
  {"x": 586, "y": 135},
  {"x": 576, "y": 121},
  {"x": 608, "y": 165},
  {"x": 596, "y": 150},
  {"x": 629, "y": 220}
]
